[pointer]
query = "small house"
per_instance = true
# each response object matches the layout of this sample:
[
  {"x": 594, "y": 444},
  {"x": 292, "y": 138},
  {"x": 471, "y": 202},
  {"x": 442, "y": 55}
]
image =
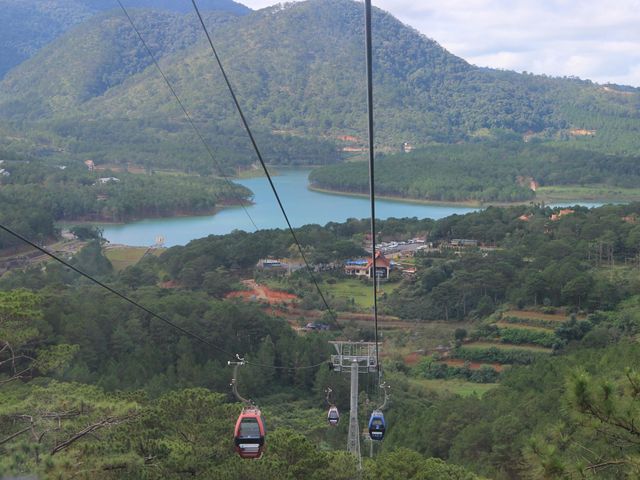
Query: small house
[
  {"x": 409, "y": 273},
  {"x": 105, "y": 180},
  {"x": 463, "y": 242},
  {"x": 383, "y": 266},
  {"x": 357, "y": 268},
  {"x": 361, "y": 268},
  {"x": 407, "y": 147}
]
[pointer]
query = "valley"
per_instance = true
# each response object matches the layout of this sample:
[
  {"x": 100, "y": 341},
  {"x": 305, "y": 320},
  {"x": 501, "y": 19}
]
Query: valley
[{"x": 507, "y": 250}]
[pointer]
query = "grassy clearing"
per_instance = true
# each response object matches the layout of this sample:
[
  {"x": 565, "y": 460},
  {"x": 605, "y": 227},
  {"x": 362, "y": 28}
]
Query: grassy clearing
[
  {"x": 360, "y": 292},
  {"x": 123, "y": 257},
  {"x": 458, "y": 362},
  {"x": 527, "y": 314},
  {"x": 454, "y": 386},
  {"x": 174, "y": 173},
  {"x": 425, "y": 336},
  {"x": 506, "y": 346},
  {"x": 522, "y": 326},
  {"x": 408, "y": 261},
  {"x": 602, "y": 193}
]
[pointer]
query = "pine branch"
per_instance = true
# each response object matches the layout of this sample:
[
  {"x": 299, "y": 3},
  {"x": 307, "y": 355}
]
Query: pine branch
[
  {"x": 606, "y": 464},
  {"x": 107, "y": 422},
  {"x": 11, "y": 437}
]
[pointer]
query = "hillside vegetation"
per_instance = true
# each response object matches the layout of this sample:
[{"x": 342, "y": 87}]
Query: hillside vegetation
[
  {"x": 35, "y": 196},
  {"x": 112, "y": 393},
  {"x": 482, "y": 172},
  {"x": 28, "y": 25},
  {"x": 298, "y": 72}
]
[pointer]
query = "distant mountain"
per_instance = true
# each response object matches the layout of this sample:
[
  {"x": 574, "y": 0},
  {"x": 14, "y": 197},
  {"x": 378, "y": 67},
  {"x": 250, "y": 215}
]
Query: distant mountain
[
  {"x": 299, "y": 73},
  {"x": 96, "y": 56},
  {"x": 179, "y": 6},
  {"x": 28, "y": 25}
]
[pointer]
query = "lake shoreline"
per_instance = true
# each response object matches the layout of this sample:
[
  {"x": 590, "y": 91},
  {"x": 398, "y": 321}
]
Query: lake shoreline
[
  {"x": 544, "y": 198},
  {"x": 304, "y": 206},
  {"x": 405, "y": 200},
  {"x": 178, "y": 214},
  {"x": 393, "y": 198}
]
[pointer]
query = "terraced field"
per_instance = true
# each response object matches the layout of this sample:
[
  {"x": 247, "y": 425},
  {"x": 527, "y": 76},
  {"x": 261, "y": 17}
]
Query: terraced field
[
  {"x": 484, "y": 344},
  {"x": 522, "y": 326},
  {"x": 520, "y": 337},
  {"x": 122, "y": 257},
  {"x": 454, "y": 386},
  {"x": 457, "y": 362},
  {"x": 533, "y": 315}
]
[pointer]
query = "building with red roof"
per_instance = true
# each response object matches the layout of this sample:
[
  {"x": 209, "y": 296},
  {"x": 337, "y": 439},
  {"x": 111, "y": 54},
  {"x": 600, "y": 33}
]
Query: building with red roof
[{"x": 361, "y": 268}]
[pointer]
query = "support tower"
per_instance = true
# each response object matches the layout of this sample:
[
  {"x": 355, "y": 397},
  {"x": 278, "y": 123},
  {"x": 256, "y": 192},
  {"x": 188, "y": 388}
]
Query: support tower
[{"x": 356, "y": 358}]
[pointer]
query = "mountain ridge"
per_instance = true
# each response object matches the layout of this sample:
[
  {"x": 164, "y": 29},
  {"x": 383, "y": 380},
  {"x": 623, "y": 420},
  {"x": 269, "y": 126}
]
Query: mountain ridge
[
  {"x": 298, "y": 71},
  {"x": 28, "y": 25}
]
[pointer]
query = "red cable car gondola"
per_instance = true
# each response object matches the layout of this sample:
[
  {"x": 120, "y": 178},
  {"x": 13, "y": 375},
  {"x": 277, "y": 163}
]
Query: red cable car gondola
[{"x": 250, "y": 433}]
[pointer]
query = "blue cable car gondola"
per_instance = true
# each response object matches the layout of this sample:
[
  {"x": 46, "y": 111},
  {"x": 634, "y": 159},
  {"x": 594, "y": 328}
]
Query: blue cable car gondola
[{"x": 377, "y": 425}]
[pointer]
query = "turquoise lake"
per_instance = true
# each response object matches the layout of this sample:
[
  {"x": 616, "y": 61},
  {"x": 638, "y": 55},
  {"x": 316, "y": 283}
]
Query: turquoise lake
[{"x": 303, "y": 207}]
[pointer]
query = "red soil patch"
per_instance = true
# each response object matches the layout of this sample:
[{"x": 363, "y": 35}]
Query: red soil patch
[
  {"x": 242, "y": 294},
  {"x": 262, "y": 293},
  {"x": 412, "y": 358},
  {"x": 458, "y": 362}
]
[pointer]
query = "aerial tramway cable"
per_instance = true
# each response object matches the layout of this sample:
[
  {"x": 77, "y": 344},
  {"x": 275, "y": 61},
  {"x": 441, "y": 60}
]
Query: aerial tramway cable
[
  {"x": 145, "y": 309},
  {"x": 114, "y": 291},
  {"x": 184, "y": 110},
  {"x": 260, "y": 158},
  {"x": 250, "y": 444},
  {"x": 372, "y": 188},
  {"x": 210, "y": 151}
]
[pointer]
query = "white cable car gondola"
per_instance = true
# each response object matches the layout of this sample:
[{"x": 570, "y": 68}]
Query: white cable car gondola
[{"x": 333, "y": 417}]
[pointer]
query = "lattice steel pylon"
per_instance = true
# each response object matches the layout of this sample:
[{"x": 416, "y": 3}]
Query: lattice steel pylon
[{"x": 356, "y": 358}]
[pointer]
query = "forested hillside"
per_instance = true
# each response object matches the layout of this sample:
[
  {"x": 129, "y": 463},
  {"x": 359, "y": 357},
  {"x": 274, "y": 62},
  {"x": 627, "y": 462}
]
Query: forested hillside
[
  {"x": 93, "y": 387},
  {"x": 36, "y": 195},
  {"x": 504, "y": 171},
  {"x": 28, "y": 25},
  {"x": 298, "y": 71},
  {"x": 509, "y": 336}
]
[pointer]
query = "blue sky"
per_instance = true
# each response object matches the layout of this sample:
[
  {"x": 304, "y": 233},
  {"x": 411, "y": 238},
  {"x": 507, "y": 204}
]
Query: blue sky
[{"x": 596, "y": 40}]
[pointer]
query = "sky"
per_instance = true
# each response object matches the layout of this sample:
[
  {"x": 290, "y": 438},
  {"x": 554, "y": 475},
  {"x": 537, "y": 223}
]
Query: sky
[{"x": 591, "y": 39}]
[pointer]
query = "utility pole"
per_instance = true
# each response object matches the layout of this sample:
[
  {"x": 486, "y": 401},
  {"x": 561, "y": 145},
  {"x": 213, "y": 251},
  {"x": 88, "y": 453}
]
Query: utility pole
[{"x": 356, "y": 358}]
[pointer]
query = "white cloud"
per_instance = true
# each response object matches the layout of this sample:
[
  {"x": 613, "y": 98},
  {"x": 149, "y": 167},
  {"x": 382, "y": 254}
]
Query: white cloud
[{"x": 589, "y": 39}]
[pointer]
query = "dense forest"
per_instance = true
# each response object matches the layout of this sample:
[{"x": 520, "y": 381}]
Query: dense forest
[
  {"x": 35, "y": 195},
  {"x": 481, "y": 172},
  {"x": 510, "y": 336},
  {"x": 528, "y": 259},
  {"x": 300, "y": 88},
  {"x": 28, "y": 25},
  {"x": 83, "y": 361}
]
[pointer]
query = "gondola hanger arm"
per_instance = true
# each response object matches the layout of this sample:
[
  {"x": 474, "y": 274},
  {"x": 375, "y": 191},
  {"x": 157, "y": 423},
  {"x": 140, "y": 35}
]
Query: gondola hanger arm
[
  {"x": 234, "y": 380},
  {"x": 385, "y": 388}
]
